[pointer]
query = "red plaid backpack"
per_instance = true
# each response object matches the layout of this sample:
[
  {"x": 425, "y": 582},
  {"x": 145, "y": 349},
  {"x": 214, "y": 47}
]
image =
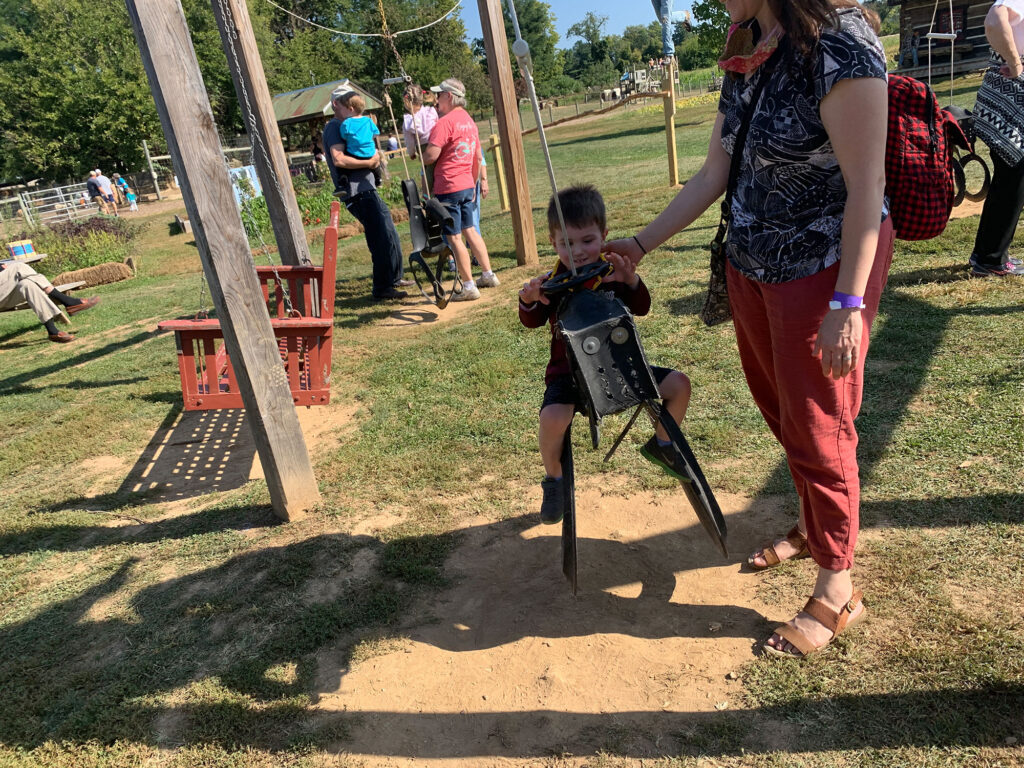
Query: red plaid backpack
[{"x": 919, "y": 177}]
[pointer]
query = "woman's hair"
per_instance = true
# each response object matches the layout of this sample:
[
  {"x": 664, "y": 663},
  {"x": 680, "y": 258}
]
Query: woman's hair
[
  {"x": 803, "y": 20},
  {"x": 413, "y": 94}
]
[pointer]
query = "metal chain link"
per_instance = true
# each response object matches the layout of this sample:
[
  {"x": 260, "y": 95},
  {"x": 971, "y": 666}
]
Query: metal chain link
[
  {"x": 256, "y": 140},
  {"x": 387, "y": 98}
]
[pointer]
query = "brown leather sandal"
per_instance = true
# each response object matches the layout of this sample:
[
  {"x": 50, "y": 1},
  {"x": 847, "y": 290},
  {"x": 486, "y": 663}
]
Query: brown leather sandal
[
  {"x": 836, "y": 621},
  {"x": 796, "y": 539}
]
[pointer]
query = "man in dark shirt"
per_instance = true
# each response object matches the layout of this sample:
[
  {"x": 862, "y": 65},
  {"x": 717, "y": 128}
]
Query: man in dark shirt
[
  {"x": 92, "y": 186},
  {"x": 365, "y": 204}
]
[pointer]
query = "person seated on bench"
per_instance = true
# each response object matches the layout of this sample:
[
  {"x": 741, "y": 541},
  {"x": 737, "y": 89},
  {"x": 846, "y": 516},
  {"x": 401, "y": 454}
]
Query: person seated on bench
[
  {"x": 19, "y": 283},
  {"x": 584, "y": 214}
]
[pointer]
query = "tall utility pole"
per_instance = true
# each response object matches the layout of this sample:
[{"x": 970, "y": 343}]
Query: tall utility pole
[{"x": 506, "y": 107}]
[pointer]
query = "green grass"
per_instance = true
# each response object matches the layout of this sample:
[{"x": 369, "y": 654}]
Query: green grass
[{"x": 135, "y": 634}]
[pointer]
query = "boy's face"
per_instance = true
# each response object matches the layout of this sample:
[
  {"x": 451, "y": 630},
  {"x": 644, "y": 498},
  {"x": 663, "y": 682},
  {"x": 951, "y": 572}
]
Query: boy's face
[{"x": 585, "y": 241}]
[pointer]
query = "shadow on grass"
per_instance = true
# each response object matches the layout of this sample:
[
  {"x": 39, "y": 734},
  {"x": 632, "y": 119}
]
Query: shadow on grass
[
  {"x": 191, "y": 454},
  {"x": 602, "y": 137},
  {"x": 11, "y": 384}
]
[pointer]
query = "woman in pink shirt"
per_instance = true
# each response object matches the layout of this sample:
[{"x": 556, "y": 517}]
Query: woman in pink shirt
[{"x": 419, "y": 120}]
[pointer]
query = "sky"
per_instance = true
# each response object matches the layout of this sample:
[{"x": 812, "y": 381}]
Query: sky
[{"x": 567, "y": 12}]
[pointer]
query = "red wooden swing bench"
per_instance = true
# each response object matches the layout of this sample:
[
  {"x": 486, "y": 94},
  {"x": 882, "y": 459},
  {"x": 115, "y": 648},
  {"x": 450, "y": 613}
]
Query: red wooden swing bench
[{"x": 304, "y": 337}]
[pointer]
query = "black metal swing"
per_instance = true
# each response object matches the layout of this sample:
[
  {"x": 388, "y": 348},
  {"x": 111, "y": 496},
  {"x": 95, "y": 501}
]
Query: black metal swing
[
  {"x": 427, "y": 219},
  {"x": 613, "y": 375}
]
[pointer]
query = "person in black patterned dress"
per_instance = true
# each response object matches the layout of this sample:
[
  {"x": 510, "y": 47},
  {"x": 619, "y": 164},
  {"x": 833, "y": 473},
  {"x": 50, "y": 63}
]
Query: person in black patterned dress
[{"x": 807, "y": 256}]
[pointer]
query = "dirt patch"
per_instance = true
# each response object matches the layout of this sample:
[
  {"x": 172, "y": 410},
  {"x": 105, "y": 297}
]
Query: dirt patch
[
  {"x": 967, "y": 208},
  {"x": 202, "y": 453},
  {"x": 508, "y": 664},
  {"x": 321, "y": 426},
  {"x": 104, "y": 470}
]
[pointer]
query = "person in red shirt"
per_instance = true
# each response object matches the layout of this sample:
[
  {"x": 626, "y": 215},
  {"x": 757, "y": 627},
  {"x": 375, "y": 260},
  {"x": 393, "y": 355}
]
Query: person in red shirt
[{"x": 454, "y": 148}]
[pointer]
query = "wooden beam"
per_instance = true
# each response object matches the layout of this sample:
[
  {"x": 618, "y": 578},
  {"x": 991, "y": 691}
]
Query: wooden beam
[
  {"x": 499, "y": 171},
  {"x": 187, "y": 119},
  {"x": 670, "y": 126},
  {"x": 271, "y": 163},
  {"x": 506, "y": 107}
]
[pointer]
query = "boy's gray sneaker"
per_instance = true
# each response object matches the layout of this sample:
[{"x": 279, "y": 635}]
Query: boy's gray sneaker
[
  {"x": 470, "y": 293},
  {"x": 488, "y": 281},
  {"x": 665, "y": 457},
  {"x": 552, "y": 505}
]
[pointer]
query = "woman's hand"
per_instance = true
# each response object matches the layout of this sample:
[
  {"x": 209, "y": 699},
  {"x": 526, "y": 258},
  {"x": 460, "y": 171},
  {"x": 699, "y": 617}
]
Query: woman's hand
[
  {"x": 1011, "y": 69},
  {"x": 626, "y": 247},
  {"x": 624, "y": 271},
  {"x": 839, "y": 341},
  {"x": 531, "y": 291}
]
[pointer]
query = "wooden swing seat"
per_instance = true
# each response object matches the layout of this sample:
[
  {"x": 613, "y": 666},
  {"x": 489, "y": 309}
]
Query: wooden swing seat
[{"x": 304, "y": 338}]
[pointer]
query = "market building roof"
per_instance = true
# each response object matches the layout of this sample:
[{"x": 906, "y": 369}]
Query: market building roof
[{"x": 314, "y": 102}]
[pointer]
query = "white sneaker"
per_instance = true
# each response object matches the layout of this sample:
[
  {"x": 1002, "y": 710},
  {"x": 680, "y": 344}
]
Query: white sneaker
[
  {"x": 468, "y": 293},
  {"x": 488, "y": 281}
]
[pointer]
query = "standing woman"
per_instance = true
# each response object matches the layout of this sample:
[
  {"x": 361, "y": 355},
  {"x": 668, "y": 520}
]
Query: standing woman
[
  {"x": 807, "y": 254},
  {"x": 999, "y": 122}
]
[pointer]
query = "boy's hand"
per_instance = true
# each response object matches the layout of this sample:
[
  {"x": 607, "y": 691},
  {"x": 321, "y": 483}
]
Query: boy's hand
[
  {"x": 624, "y": 270},
  {"x": 531, "y": 292}
]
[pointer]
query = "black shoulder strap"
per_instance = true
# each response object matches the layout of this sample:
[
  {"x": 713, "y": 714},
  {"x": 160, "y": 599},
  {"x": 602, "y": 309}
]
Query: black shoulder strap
[{"x": 741, "y": 133}]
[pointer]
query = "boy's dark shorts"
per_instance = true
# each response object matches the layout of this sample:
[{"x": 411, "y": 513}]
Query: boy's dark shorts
[{"x": 562, "y": 390}]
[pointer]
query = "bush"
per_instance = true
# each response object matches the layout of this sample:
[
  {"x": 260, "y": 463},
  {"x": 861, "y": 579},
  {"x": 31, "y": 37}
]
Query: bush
[
  {"x": 74, "y": 245},
  {"x": 314, "y": 204}
]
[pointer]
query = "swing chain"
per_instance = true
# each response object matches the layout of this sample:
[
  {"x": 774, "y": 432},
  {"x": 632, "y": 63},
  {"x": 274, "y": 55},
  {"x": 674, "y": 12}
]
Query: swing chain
[
  {"x": 387, "y": 99},
  {"x": 521, "y": 50},
  {"x": 256, "y": 140}
]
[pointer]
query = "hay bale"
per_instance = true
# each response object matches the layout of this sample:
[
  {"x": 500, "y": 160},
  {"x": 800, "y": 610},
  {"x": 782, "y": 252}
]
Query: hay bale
[{"x": 101, "y": 274}]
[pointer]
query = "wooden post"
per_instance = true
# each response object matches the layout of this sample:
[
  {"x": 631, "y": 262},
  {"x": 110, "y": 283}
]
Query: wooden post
[
  {"x": 499, "y": 171},
  {"x": 25, "y": 211},
  {"x": 152, "y": 173},
  {"x": 551, "y": 113},
  {"x": 507, "y": 108},
  {"x": 187, "y": 119},
  {"x": 577, "y": 105},
  {"x": 670, "y": 130},
  {"x": 258, "y": 114}
]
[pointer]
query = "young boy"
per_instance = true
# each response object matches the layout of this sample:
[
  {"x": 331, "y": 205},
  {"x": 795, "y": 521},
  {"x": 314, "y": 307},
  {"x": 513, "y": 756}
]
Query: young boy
[
  {"x": 358, "y": 132},
  {"x": 584, "y": 214},
  {"x": 132, "y": 198}
]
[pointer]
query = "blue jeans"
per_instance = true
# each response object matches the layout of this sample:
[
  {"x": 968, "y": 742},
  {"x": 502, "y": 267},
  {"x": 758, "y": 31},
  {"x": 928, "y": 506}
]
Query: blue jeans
[
  {"x": 667, "y": 18},
  {"x": 381, "y": 239}
]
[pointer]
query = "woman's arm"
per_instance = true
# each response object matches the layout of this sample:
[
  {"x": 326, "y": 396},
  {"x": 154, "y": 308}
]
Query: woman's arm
[
  {"x": 706, "y": 186},
  {"x": 854, "y": 114},
  {"x": 999, "y": 32}
]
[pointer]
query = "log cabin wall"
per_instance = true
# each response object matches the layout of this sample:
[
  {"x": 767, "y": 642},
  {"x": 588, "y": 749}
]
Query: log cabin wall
[{"x": 971, "y": 49}]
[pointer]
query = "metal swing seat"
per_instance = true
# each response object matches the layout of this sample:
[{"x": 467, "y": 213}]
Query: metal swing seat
[
  {"x": 612, "y": 373},
  {"x": 300, "y": 302},
  {"x": 427, "y": 219}
]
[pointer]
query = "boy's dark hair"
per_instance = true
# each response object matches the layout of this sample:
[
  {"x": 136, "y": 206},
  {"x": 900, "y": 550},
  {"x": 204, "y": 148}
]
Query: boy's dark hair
[{"x": 581, "y": 204}]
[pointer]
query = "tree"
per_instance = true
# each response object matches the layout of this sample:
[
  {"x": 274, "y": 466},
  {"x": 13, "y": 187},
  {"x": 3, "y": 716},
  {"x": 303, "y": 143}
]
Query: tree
[
  {"x": 591, "y": 28},
  {"x": 428, "y": 55},
  {"x": 537, "y": 26},
  {"x": 590, "y": 60},
  {"x": 711, "y": 23}
]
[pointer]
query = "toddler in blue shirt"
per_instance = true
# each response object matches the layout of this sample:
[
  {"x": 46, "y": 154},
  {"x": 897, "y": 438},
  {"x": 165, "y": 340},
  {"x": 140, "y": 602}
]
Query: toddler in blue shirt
[{"x": 358, "y": 133}]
